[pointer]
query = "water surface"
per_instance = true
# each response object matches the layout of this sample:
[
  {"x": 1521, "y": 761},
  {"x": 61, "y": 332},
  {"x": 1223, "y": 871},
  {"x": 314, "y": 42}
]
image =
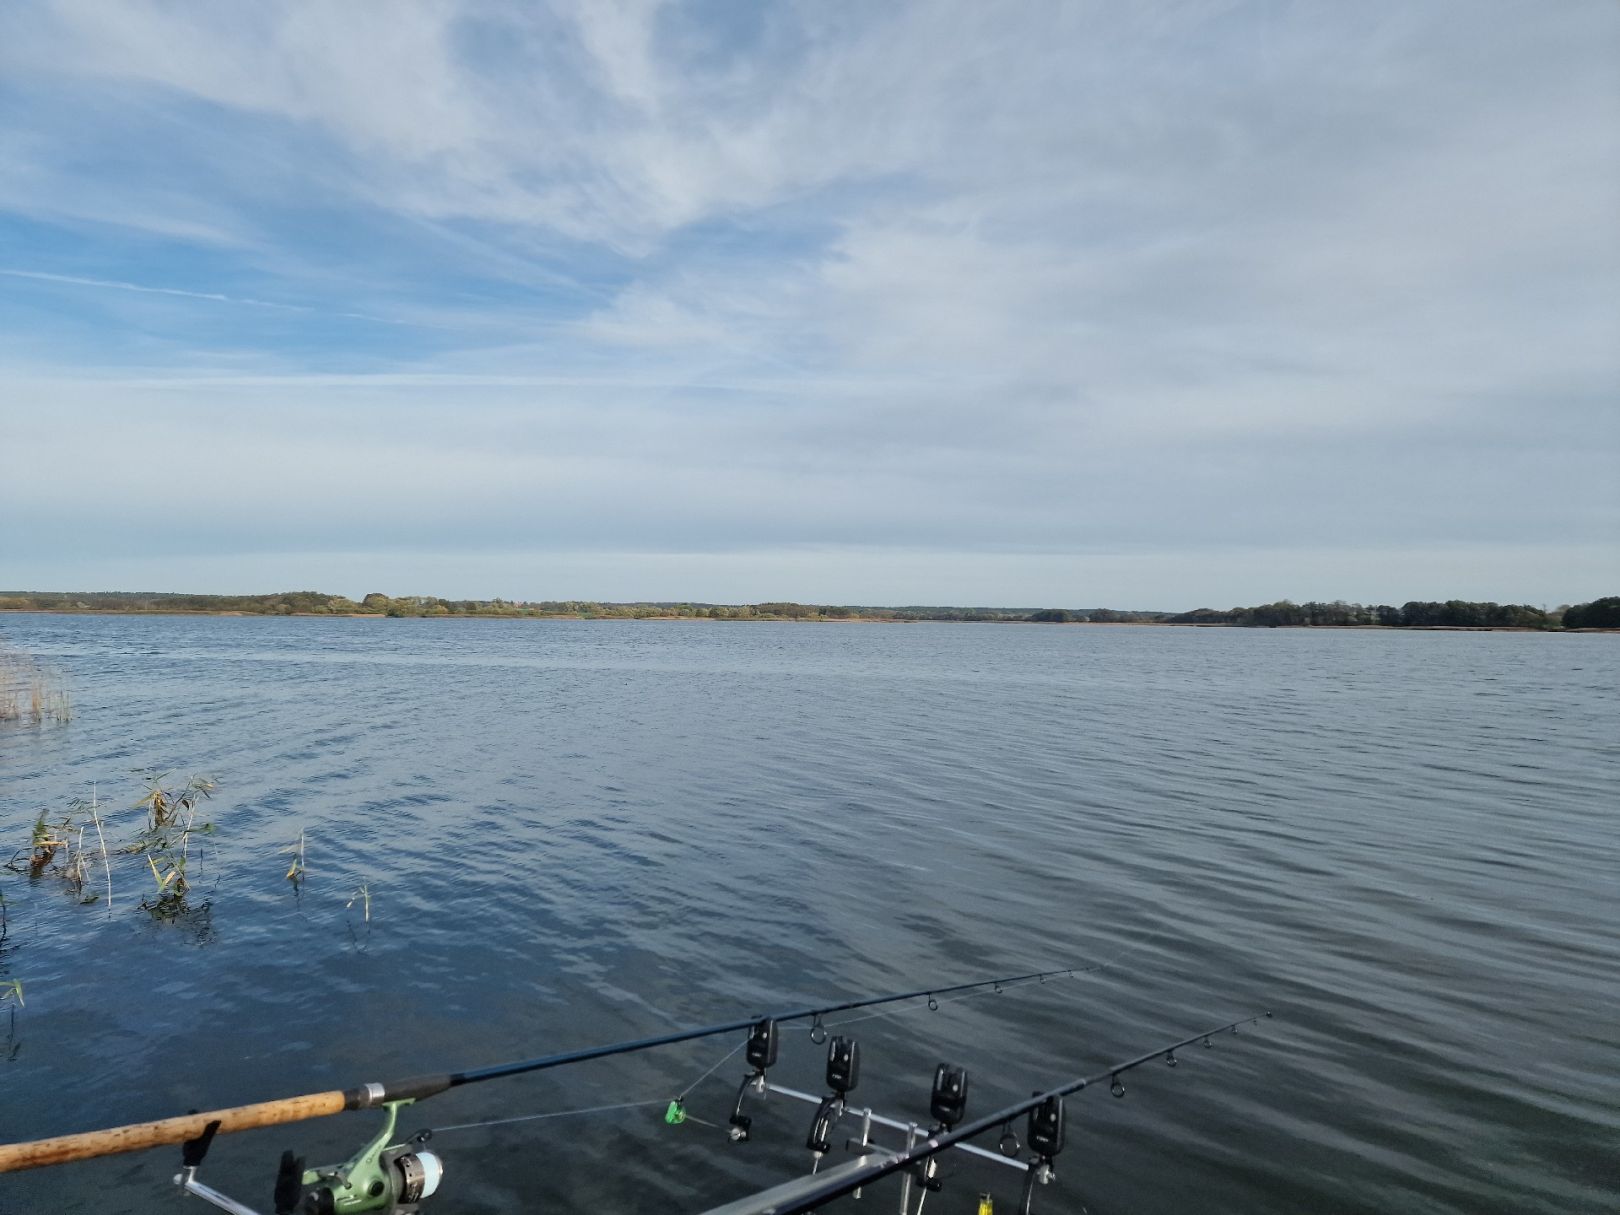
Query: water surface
[{"x": 573, "y": 832}]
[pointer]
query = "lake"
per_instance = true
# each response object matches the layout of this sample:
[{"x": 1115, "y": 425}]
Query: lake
[{"x": 573, "y": 832}]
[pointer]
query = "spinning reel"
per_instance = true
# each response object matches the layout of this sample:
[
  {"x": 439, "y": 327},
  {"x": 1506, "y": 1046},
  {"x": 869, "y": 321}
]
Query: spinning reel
[{"x": 392, "y": 1179}]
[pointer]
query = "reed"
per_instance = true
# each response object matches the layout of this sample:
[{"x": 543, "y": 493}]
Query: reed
[
  {"x": 74, "y": 869},
  {"x": 166, "y": 840},
  {"x": 297, "y": 870},
  {"x": 106, "y": 865},
  {"x": 31, "y": 691},
  {"x": 64, "y": 847},
  {"x": 46, "y": 840},
  {"x": 11, "y": 999}
]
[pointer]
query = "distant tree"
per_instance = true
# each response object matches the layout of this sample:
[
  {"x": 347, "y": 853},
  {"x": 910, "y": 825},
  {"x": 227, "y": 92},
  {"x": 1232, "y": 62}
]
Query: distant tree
[
  {"x": 1051, "y": 616},
  {"x": 1599, "y": 614},
  {"x": 376, "y": 602},
  {"x": 1204, "y": 616},
  {"x": 793, "y": 611},
  {"x": 1416, "y": 613}
]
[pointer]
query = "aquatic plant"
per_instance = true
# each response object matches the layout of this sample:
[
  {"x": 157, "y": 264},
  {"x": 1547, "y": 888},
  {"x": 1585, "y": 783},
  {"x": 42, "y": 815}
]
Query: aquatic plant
[
  {"x": 106, "y": 865},
  {"x": 162, "y": 804},
  {"x": 30, "y": 690},
  {"x": 67, "y": 846},
  {"x": 45, "y": 841},
  {"x": 166, "y": 839},
  {"x": 11, "y": 998},
  {"x": 295, "y": 871},
  {"x": 11, "y": 992},
  {"x": 75, "y": 868}
]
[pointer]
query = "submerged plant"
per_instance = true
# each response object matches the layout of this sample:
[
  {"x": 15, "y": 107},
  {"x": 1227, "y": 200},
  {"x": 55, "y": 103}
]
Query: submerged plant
[
  {"x": 166, "y": 839},
  {"x": 361, "y": 895},
  {"x": 11, "y": 997},
  {"x": 45, "y": 841},
  {"x": 164, "y": 805},
  {"x": 296, "y": 871},
  {"x": 106, "y": 865},
  {"x": 30, "y": 690},
  {"x": 171, "y": 884},
  {"x": 75, "y": 869}
]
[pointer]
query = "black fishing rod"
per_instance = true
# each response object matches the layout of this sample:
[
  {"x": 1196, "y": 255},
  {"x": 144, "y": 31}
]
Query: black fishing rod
[
  {"x": 1049, "y": 1102},
  {"x": 90, "y": 1144},
  {"x": 729, "y": 1027}
]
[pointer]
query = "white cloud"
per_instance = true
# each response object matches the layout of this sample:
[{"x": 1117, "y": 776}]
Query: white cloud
[{"x": 943, "y": 278}]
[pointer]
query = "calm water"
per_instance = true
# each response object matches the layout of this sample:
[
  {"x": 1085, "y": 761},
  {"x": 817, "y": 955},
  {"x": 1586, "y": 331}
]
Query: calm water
[{"x": 576, "y": 832}]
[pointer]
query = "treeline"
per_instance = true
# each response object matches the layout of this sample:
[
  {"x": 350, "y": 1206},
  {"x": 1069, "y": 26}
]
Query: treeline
[
  {"x": 1599, "y": 614},
  {"x": 316, "y": 603},
  {"x": 1093, "y": 616},
  {"x": 1453, "y": 613},
  {"x": 285, "y": 604}
]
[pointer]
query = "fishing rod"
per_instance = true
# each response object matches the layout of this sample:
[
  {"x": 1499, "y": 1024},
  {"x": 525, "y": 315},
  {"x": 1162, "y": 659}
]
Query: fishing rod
[
  {"x": 134, "y": 1137},
  {"x": 1045, "y": 1136}
]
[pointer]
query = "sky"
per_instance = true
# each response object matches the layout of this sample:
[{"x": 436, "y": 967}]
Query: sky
[{"x": 1155, "y": 305}]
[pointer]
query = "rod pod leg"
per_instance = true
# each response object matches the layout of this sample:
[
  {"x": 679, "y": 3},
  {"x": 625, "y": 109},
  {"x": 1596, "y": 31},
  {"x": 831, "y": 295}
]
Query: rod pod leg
[{"x": 1040, "y": 1171}]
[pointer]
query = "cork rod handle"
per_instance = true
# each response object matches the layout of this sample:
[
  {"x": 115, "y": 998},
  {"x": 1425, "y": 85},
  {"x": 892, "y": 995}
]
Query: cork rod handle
[{"x": 64, "y": 1149}]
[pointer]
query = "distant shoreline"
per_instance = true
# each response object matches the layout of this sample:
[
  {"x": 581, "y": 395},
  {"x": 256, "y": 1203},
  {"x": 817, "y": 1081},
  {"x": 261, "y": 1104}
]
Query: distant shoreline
[
  {"x": 676, "y": 619},
  {"x": 1450, "y": 615}
]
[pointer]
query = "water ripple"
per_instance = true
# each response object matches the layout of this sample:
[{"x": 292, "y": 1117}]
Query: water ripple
[{"x": 574, "y": 832}]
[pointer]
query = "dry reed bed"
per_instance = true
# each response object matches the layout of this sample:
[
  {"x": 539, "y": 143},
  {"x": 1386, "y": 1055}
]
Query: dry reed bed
[{"x": 30, "y": 690}]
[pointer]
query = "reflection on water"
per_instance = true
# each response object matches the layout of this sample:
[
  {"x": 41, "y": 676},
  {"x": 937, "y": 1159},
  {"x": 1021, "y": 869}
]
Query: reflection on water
[{"x": 578, "y": 832}]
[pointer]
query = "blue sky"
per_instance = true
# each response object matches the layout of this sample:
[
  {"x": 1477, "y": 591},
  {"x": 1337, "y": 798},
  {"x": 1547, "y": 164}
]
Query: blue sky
[{"x": 1150, "y": 305}]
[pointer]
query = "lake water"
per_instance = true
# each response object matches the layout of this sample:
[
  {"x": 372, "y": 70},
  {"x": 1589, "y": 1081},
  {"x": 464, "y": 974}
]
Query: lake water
[{"x": 1404, "y": 844}]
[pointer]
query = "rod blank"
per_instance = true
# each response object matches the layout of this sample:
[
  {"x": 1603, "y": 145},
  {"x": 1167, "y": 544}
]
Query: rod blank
[
  {"x": 88, "y": 1145},
  {"x": 811, "y": 1198}
]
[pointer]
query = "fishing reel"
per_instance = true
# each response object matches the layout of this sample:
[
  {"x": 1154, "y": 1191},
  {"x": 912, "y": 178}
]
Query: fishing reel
[
  {"x": 392, "y": 1179},
  {"x": 379, "y": 1177}
]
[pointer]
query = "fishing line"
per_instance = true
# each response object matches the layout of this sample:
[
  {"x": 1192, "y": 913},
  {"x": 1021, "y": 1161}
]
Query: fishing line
[
  {"x": 599, "y": 1109},
  {"x": 718, "y": 1064},
  {"x": 593, "y": 1109}
]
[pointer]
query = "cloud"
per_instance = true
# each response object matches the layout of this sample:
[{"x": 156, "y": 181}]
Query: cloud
[
  {"x": 77, "y": 281},
  {"x": 962, "y": 279}
]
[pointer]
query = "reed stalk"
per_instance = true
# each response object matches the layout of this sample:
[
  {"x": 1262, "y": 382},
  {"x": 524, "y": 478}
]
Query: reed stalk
[
  {"x": 106, "y": 865},
  {"x": 30, "y": 690},
  {"x": 296, "y": 871}
]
